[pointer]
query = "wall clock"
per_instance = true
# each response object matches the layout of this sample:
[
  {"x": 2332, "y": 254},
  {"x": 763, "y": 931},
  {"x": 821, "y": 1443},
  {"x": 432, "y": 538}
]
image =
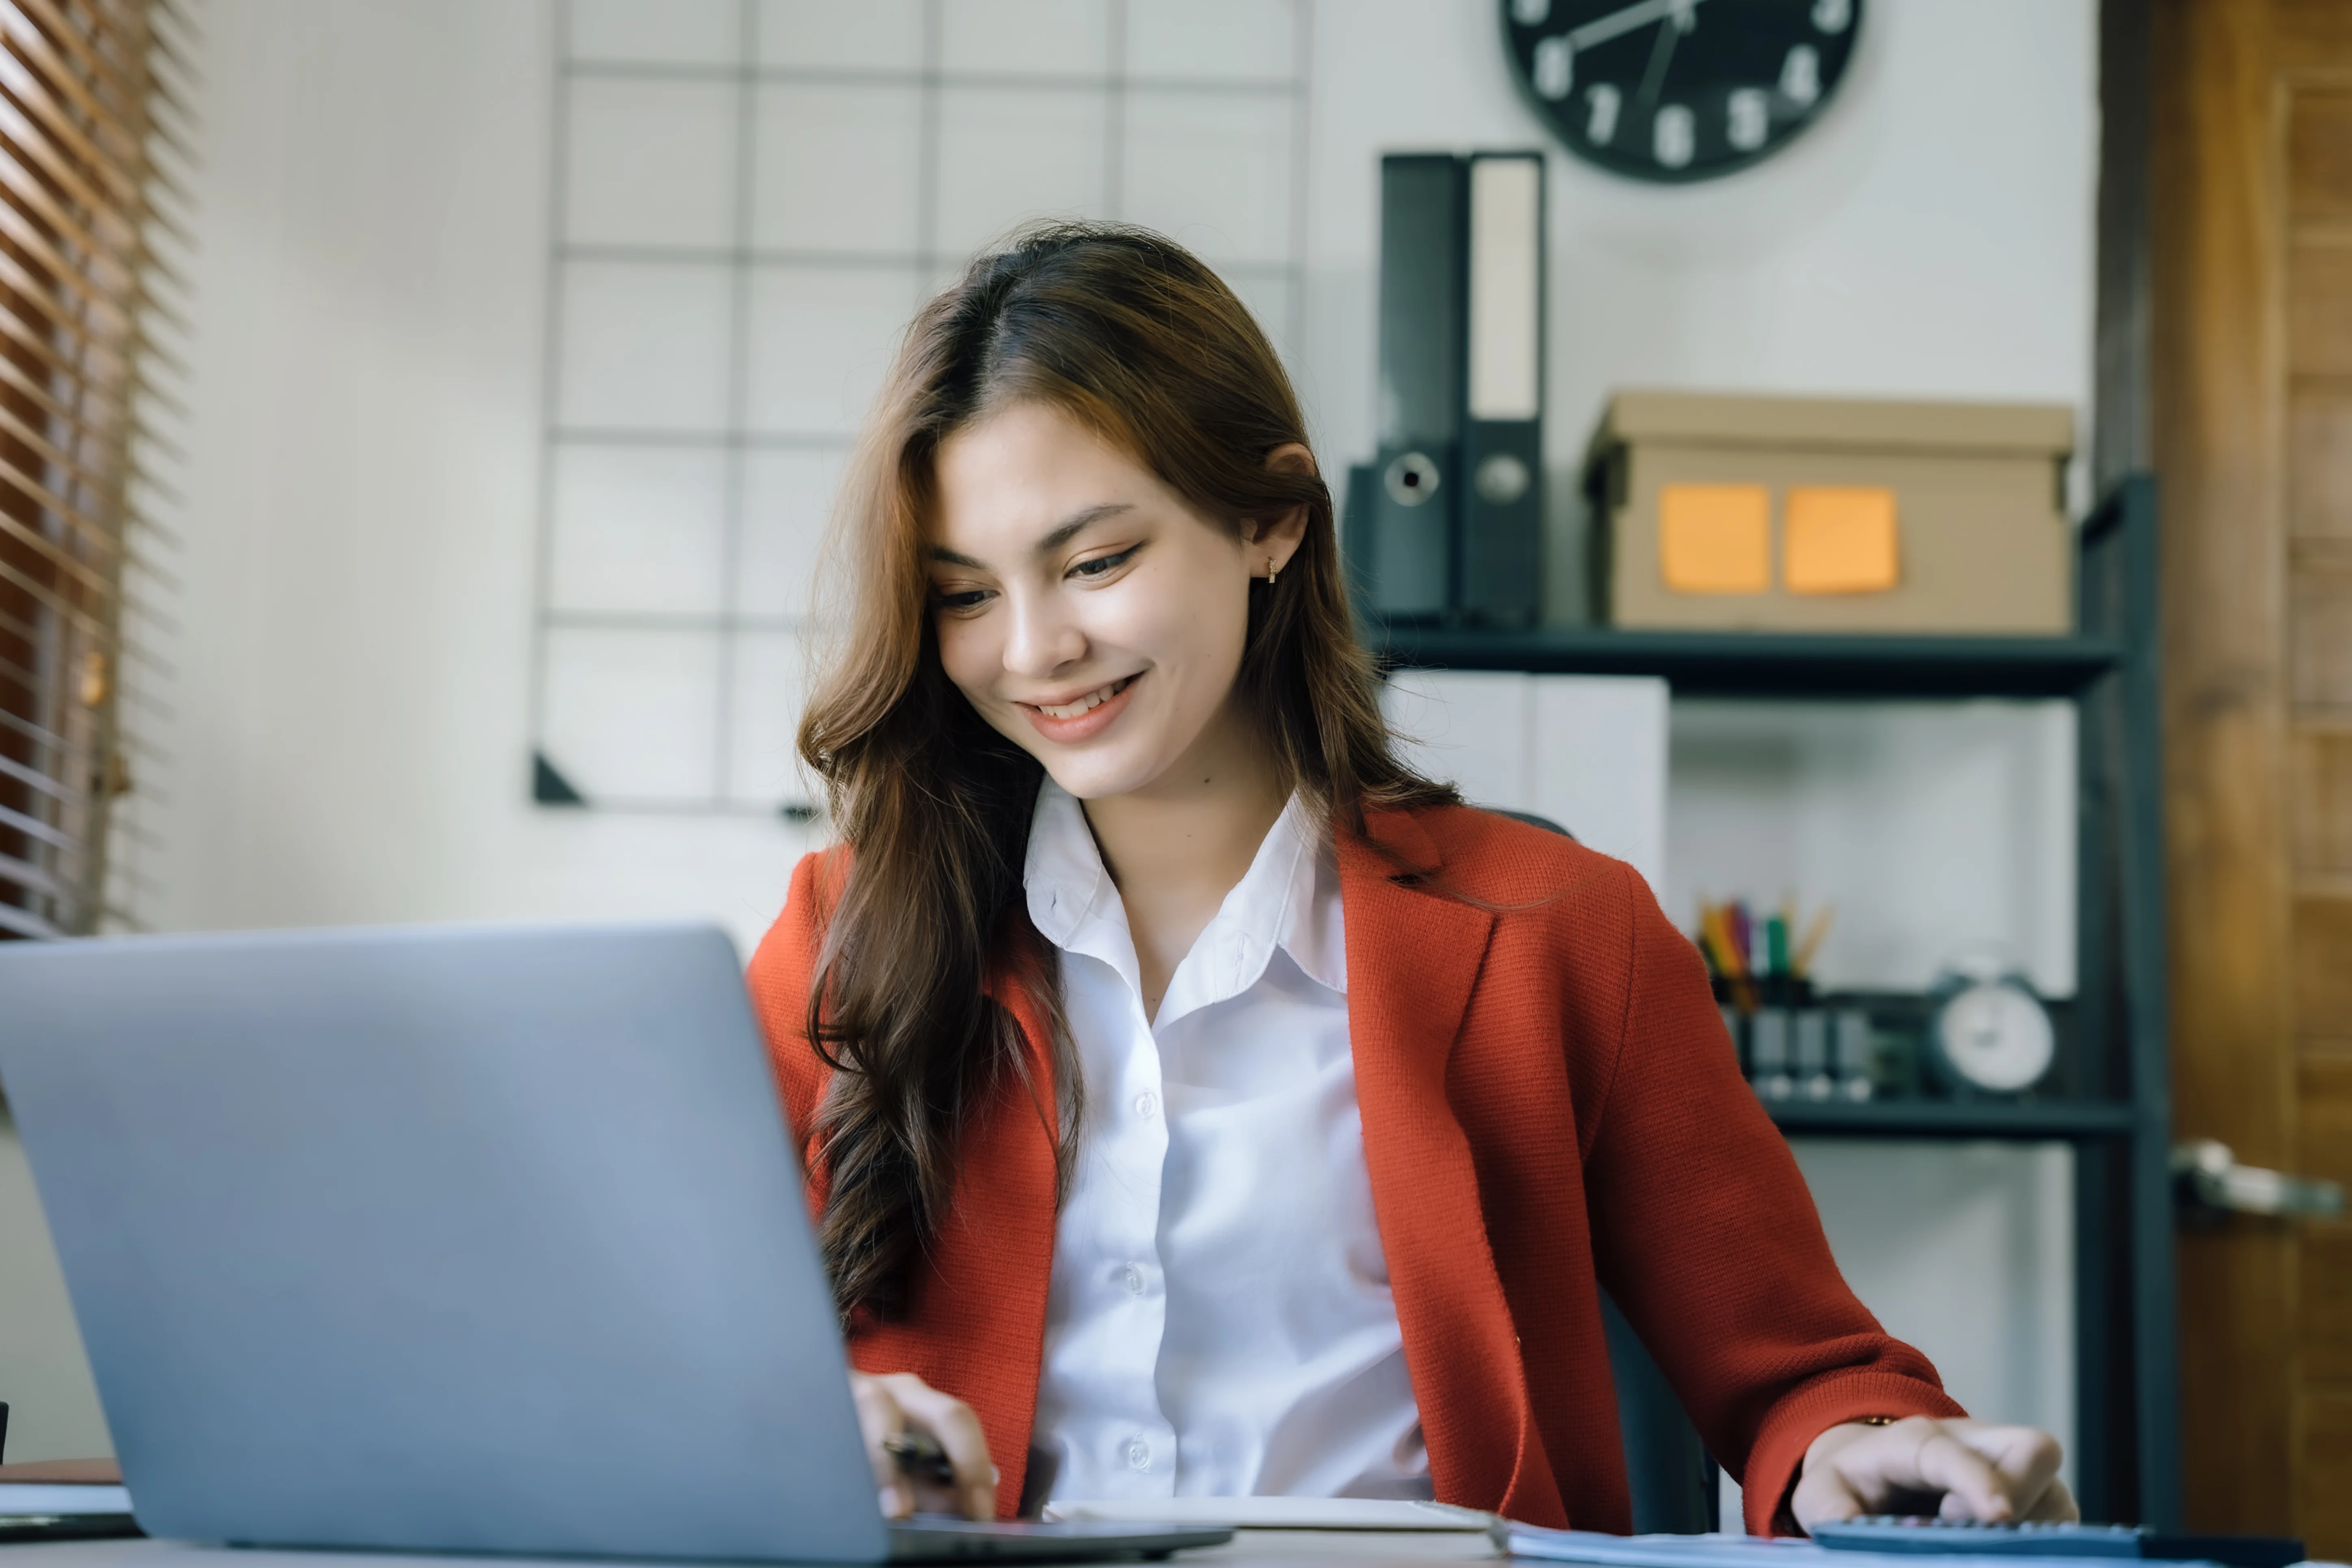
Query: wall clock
[{"x": 1677, "y": 90}]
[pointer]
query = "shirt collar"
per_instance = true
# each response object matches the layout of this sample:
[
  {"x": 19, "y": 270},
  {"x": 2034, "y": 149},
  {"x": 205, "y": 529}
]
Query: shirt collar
[
  {"x": 1072, "y": 900},
  {"x": 1289, "y": 899}
]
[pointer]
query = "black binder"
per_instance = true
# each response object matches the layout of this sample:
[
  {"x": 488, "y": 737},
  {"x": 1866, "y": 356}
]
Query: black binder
[
  {"x": 1499, "y": 520},
  {"x": 1446, "y": 524},
  {"x": 1409, "y": 564}
]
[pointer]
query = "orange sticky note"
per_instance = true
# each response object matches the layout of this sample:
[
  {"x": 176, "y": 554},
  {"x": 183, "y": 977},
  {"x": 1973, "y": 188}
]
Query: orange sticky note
[
  {"x": 1838, "y": 539},
  {"x": 1716, "y": 539}
]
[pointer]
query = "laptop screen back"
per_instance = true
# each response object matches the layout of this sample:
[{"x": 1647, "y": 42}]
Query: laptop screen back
[{"x": 478, "y": 1239}]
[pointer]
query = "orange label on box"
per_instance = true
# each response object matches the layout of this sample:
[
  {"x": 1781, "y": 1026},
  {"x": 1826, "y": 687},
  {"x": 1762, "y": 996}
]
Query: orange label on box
[
  {"x": 1716, "y": 539},
  {"x": 1838, "y": 539}
]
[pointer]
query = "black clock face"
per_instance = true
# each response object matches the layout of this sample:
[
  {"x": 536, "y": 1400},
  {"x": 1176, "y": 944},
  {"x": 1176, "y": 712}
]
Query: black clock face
[{"x": 1679, "y": 89}]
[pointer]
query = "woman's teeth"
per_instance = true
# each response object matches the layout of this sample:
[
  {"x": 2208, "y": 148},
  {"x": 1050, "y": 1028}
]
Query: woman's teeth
[{"x": 1093, "y": 699}]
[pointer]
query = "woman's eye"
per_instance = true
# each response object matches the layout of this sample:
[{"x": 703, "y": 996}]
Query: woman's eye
[
  {"x": 1103, "y": 563},
  {"x": 961, "y": 598}
]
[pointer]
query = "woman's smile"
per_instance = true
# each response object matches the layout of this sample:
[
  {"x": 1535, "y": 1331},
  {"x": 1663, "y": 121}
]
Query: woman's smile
[{"x": 1083, "y": 718}]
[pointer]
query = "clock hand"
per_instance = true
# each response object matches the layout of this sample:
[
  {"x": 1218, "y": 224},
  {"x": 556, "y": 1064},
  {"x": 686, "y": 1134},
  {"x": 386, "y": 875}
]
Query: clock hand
[
  {"x": 1601, "y": 29},
  {"x": 1678, "y": 21}
]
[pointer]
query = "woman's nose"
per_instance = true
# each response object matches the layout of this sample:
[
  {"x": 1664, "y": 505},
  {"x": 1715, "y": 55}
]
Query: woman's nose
[{"x": 1044, "y": 638}]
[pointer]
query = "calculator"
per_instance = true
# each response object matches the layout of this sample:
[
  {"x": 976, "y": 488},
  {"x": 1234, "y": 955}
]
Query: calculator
[{"x": 1973, "y": 1537}]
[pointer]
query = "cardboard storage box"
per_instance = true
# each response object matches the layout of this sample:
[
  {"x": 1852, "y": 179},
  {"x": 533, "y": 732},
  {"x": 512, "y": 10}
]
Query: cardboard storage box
[{"x": 1783, "y": 514}]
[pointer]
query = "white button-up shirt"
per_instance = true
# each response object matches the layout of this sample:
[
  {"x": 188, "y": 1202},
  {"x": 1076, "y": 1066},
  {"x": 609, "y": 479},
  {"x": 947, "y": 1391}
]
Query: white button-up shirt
[{"x": 1220, "y": 1322}]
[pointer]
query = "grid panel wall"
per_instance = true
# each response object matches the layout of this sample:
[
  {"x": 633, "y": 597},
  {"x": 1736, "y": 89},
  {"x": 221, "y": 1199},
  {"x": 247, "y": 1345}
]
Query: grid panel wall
[{"x": 750, "y": 198}]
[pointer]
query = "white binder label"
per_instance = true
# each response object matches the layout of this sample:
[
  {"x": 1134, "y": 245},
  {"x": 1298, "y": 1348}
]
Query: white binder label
[{"x": 1505, "y": 290}]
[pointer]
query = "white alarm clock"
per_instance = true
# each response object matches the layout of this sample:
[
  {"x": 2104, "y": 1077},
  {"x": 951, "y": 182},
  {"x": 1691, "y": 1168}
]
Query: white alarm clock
[{"x": 1986, "y": 1032}]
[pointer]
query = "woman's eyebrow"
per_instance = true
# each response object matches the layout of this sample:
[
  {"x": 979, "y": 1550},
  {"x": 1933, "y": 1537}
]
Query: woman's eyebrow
[
  {"x": 1078, "y": 520},
  {"x": 1046, "y": 545}
]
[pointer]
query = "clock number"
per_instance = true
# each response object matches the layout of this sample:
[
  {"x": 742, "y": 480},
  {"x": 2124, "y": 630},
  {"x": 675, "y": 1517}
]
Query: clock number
[
  {"x": 1533, "y": 13},
  {"x": 1828, "y": 15},
  {"x": 1603, "y": 100},
  {"x": 1673, "y": 135},
  {"x": 1750, "y": 118},
  {"x": 1555, "y": 69},
  {"x": 1801, "y": 75}
]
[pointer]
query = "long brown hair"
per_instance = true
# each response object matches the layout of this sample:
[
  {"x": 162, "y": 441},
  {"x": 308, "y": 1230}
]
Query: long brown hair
[{"x": 1129, "y": 334}]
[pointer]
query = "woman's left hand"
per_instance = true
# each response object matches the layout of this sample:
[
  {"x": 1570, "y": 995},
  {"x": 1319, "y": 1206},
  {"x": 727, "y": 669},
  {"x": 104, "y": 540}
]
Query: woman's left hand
[{"x": 1959, "y": 1469}]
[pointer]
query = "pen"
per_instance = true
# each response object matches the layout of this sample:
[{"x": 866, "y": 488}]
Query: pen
[
  {"x": 920, "y": 1455},
  {"x": 1814, "y": 933}
]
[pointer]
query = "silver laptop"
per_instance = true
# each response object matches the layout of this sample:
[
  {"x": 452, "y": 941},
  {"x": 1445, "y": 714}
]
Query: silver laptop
[{"x": 452, "y": 1240}]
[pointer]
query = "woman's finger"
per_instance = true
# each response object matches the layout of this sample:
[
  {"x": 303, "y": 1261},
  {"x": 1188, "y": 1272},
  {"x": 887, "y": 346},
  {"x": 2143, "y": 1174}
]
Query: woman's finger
[
  {"x": 2026, "y": 1460},
  {"x": 879, "y": 1418},
  {"x": 1972, "y": 1489},
  {"x": 958, "y": 1431},
  {"x": 1823, "y": 1496},
  {"x": 2055, "y": 1503}
]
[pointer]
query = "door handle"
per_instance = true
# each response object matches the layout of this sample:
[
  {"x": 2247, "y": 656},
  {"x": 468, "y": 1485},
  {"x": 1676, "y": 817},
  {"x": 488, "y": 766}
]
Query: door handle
[{"x": 2207, "y": 1177}]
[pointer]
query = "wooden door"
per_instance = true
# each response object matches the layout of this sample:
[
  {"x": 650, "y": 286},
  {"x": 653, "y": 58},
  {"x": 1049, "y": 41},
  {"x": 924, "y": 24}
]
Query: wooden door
[{"x": 2251, "y": 207}]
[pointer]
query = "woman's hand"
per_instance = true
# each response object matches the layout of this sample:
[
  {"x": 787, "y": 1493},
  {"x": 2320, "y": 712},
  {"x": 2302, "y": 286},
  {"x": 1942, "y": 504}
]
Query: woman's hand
[
  {"x": 1959, "y": 1469},
  {"x": 901, "y": 1403}
]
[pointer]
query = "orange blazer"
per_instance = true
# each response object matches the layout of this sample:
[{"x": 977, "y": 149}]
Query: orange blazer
[{"x": 1550, "y": 1105}]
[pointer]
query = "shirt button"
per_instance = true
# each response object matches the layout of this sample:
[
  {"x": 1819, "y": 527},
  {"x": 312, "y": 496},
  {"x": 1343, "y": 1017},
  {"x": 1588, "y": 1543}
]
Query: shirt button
[
  {"x": 1147, "y": 1104},
  {"x": 1132, "y": 1277},
  {"x": 1139, "y": 1454}
]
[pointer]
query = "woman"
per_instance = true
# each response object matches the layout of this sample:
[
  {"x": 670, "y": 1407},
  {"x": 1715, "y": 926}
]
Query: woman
[{"x": 1194, "y": 1098}]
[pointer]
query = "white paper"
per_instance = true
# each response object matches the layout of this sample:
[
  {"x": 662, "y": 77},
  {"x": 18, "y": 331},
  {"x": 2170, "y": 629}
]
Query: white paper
[
  {"x": 1668, "y": 1551},
  {"x": 50, "y": 1497},
  {"x": 1743, "y": 1552},
  {"x": 1274, "y": 1514}
]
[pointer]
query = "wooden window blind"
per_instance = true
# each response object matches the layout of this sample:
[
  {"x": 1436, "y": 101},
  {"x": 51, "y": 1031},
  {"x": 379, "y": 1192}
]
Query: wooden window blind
[{"x": 92, "y": 118}]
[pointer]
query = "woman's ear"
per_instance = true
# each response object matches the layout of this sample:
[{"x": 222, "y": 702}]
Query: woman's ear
[
  {"x": 1272, "y": 542},
  {"x": 1290, "y": 457}
]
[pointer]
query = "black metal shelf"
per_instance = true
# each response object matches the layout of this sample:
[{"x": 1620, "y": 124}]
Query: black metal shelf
[
  {"x": 1758, "y": 665},
  {"x": 2028, "y": 1121}
]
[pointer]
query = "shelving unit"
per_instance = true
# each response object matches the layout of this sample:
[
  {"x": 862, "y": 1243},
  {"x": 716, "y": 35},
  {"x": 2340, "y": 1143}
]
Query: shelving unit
[
  {"x": 1736, "y": 665},
  {"x": 2127, "y": 1450},
  {"x": 1953, "y": 1119}
]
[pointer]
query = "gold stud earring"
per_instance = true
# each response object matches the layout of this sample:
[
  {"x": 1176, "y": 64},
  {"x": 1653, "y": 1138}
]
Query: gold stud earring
[{"x": 1269, "y": 573}]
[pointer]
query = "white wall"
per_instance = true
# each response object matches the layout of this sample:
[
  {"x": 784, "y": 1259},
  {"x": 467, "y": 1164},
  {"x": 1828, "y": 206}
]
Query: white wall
[
  {"x": 1586, "y": 752},
  {"x": 352, "y": 684},
  {"x": 369, "y": 305}
]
